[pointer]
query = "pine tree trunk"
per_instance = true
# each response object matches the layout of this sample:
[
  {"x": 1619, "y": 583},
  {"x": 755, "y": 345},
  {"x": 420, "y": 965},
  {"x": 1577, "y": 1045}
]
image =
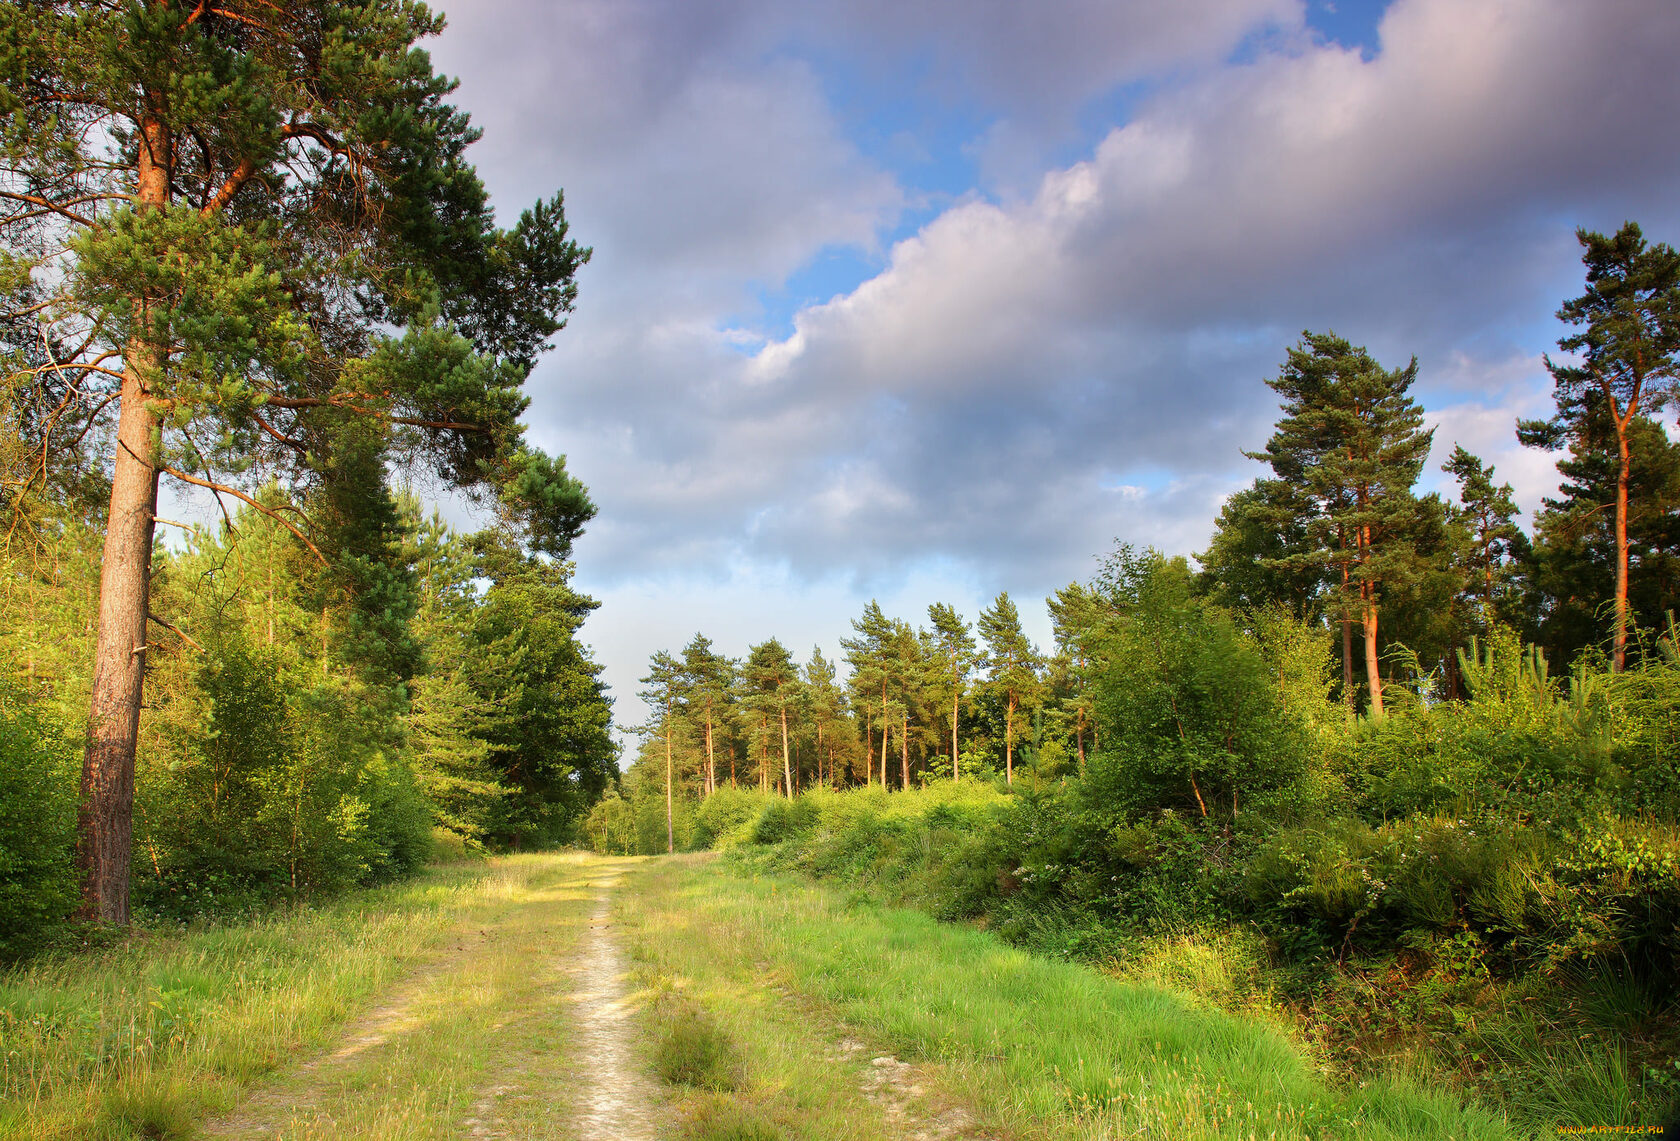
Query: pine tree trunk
[
  {"x": 670, "y": 829},
  {"x": 1009, "y": 742},
  {"x": 904, "y": 748},
  {"x": 1347, "y": 650},
  {"x": 787, "y": 762},
  {"x": 105, "y": 818},
  {"x": 1618, "y": 656},
  {"x": 1372, "y": 678},
  {"x": 711, "y": 762},
  {"x": 955, "y": 774},
  {"x": 886, "y": 734}
]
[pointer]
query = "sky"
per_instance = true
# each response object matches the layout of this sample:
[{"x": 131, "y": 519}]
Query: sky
[{"x": 927, "y": 301}]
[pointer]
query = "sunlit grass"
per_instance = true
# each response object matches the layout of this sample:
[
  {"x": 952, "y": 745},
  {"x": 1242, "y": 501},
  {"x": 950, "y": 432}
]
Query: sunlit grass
[
  {"x": 1038, "y": 1048},
  {"x": 150, "y": 1038}
]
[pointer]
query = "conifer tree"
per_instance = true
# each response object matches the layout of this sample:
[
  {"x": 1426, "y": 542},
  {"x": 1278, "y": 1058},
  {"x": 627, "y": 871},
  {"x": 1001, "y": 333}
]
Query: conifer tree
[
  {"x": 1575, "y": 546},
  {"x": 709, "y": 677},
  {"x": 953, "y": 656},
  {"x": 825, "y": 699},
  {"x": 1490, "y": 514},
  {"x": 665, "y": 693},
  {"x": 1629, "y": 368},
  {"x": 249, "y": 231},
  {"x": 1352, "y": 443},
  {"x": 1077, "y": 615},
  {"x": 773, "y": 681},
  {"x": 1012, "y": 664},
  {"x": 867, "y": 655},
  {"x": 905, "y": 668}
]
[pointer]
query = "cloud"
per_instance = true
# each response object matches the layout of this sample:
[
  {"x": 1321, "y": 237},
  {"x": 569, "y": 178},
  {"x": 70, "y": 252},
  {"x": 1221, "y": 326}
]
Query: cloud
[{"x": 1070, "y": 352}]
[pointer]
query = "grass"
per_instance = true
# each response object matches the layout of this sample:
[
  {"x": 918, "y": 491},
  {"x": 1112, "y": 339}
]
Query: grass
[
  {"x": 447, "y": 985},
  {"x": 691, "y": 1049},
  {"x": 1035, "y": 1048}
]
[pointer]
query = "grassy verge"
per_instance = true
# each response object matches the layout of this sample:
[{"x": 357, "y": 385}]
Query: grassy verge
[
  {"x": 1587, "y": 1042},
  {"x": 447, "y": 984},
  {"x": 1033, "y": 1048}
]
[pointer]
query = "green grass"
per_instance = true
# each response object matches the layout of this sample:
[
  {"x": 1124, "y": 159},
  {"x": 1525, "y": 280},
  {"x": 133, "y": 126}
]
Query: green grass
[
  {"x": 447, "y": 983},
  {"x": 1034, "y": 1047},
  {"x": 691, "y": 1049}
]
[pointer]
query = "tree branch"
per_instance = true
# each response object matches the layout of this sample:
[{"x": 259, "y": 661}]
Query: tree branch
[
  {"x": 240, "y": 176},
  {"x": 237, "y": 494},
  {"x": 53, "y": 207},
  {"x": 317, "y": 402},
  {"x": 180, "y": 633},
  {"x": 278, "y": 435}
]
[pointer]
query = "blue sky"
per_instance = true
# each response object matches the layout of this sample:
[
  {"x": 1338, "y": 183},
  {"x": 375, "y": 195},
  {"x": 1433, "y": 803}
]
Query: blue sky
[{"x": 927, "y": 301}]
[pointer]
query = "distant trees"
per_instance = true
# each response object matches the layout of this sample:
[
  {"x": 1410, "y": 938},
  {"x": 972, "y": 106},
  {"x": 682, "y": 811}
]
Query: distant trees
[
  {"x": 772, "y": 682},
  {"x": 1012, "y": 666},
  {"x": 709, "y": 679},
  {"x": 665, "y": 693},
  {"x": 903, "y": 703},
  {"x": 1489, "y": 515}
]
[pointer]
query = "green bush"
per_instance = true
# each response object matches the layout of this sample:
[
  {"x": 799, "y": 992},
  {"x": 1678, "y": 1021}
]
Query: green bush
[
  {"x": 256, "y": 787},
  {"x": 724, "y": 812},
  {"x": 37, "y": 824},
  {"x": 610, "y": 826},
  {"x": 1191, "y": 715}
]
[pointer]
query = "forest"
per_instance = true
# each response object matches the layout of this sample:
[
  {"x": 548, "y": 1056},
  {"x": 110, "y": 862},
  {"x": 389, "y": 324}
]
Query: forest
[
  {"x": 282, "y": 302},
  {"x": 1393, "y": 769}
]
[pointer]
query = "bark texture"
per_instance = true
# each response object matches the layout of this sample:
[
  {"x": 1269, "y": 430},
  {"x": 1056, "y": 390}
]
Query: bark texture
[{"x": 105, "y": 819}]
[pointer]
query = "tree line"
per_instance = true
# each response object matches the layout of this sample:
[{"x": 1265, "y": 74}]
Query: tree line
[{"x": 1334, "y": 540}]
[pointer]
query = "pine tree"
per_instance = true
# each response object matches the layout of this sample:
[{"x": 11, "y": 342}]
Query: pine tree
[
  {"x": 773, "y": 682},
  {"x": 1012, "y": 664},
  {"x": 251, "y": 230},
  {"x": 664, "y": 693},
  {"x": 1629, "y": 368},
  {"x": 869, "y": 681},
  {"x": 1351, "y": 442},
  {"x": 709, "y": 678},
  {"x": 827, "y": 711},
  {"x": 1495, "y": 539},
  {"x": 1575, "y": 544},
  {"x": 953, "y": 657},
  {"x": 1078, "y": 616}
]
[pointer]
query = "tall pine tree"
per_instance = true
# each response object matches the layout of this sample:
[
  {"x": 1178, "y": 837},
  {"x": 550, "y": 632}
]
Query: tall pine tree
[
  {"x": 250, "y": 231},
  {"x": 1352, "y": 443},
  {"x": 1627, "y": 368}
]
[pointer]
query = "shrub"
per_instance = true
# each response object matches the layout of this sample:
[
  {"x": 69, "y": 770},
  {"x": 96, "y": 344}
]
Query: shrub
[
  {"x": 724, "y": 812},
  {"x": 1190, "y": 713},
  {"x": 37, "y": 824},
  {"x": 610, "y": 826},
  {"x": 255, "y": 788}
]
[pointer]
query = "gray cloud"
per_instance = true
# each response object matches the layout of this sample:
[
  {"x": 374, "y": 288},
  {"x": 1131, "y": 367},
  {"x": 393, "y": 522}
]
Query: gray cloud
[{"x": 1028, "y": 377}]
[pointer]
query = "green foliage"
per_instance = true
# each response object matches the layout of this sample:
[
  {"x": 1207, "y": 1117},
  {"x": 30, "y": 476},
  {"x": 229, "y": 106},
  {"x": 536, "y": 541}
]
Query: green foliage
[
  {"x": 610, "y": 826},
  {"x": 726, "y": 814},
  {"x": 37, "y": 824},
  {"x": 262, "y": 784},
  {"x": 1192, "y": 718}
]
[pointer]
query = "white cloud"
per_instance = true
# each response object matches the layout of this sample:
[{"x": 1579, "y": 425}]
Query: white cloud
[{"x": 980, "y": 403}]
